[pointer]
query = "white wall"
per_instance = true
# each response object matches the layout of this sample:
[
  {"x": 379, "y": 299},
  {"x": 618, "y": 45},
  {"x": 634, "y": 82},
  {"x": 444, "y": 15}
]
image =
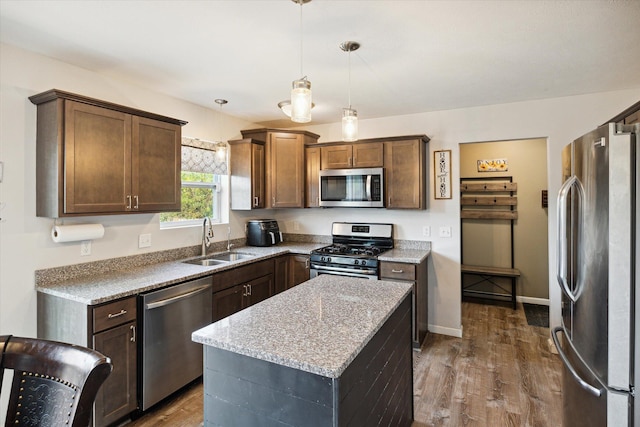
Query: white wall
[{"x": 25, "y": 245}]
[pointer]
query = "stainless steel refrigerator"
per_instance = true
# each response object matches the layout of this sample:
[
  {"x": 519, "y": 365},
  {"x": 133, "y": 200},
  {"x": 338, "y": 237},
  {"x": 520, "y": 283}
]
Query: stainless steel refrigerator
[{"x": 597, "y": 272}]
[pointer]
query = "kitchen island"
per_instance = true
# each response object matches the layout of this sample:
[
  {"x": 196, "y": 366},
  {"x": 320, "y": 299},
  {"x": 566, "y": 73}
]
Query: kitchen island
[{"x": 331, "y": 351}]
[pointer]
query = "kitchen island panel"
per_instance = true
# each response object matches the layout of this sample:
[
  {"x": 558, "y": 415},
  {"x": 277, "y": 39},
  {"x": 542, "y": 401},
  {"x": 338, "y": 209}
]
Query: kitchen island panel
[
  {"x": 244, "y": 391},
  {"x": 376, "y": 388},
  {"x": 378, "y": 383}
]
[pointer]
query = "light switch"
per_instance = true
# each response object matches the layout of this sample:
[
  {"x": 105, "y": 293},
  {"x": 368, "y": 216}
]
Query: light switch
[{"x": 445, "y": 232}]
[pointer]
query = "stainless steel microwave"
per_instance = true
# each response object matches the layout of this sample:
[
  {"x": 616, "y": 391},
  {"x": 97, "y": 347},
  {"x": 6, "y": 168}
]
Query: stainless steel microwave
[{"x": 352, "y": 188}]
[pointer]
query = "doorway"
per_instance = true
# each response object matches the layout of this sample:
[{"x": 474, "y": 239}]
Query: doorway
[{"x": 486, "y": 242}]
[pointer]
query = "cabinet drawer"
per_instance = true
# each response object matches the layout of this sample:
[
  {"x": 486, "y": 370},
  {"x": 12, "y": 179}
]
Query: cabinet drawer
[
  {"x": 114, "y": 314},
  {"x": 397, "y": 270}
]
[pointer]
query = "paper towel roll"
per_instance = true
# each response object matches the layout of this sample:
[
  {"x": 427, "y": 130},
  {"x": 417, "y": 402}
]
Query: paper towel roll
[{"x": 75, "y": 233}]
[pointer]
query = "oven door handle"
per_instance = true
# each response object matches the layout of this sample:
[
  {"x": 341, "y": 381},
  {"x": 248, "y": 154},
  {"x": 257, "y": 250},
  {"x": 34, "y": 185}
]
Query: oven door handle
[{"x": 344, "y": 270}]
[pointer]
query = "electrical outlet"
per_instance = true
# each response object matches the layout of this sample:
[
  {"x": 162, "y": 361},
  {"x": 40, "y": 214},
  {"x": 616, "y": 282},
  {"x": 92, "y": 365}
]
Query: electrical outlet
[
  {"x": 85, "y": 248},
  {"x": 445, "y": 232},
  {"x": 426, "y": 231},
  {"x": 144, "y": 240}
]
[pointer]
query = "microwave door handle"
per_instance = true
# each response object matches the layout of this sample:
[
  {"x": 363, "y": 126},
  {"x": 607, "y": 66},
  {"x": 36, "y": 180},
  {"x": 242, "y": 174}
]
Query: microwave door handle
[{"x": 368, "y": 187}]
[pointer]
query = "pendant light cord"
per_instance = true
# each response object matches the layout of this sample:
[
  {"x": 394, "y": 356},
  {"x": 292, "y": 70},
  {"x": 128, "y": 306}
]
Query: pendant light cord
[
  {"x": 349, "y": 91},
  {"x": 301, "y": 52}
]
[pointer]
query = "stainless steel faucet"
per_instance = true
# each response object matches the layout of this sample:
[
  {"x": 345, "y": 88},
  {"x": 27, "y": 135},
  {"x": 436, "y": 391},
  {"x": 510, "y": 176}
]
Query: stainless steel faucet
[
  {"x": 229, "y": 245},
  {"x": 207, "y": 235}
]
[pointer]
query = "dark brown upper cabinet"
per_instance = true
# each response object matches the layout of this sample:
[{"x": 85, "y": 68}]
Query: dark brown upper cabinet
[
  {"x": 363, "y": 155},
  {"x": 96, "y": 158},
  {"x": 284, "y": 165},
  {"x": 247, "y": 174}
]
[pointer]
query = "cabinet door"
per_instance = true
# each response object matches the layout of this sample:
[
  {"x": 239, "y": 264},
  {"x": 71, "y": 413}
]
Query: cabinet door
[
  {"x": 97, "y": 159},
  {"x": 259, "y": 290},
  {"x": 336, "y": 157},
  {"x": 257, "y": 176},
  {"x": 117, "y": 396},
  {"x": 286, "y": 170},
  {"x": 281, "y": 273},
  {"x": 404, "y": 182},
  {"x": 299, "y": 269},
  {"x": 312, "y": 173},
  {"x": 156, "y": 162},
  {"x": 368, "y": 155},
  {"x": 228, "y": 301}
]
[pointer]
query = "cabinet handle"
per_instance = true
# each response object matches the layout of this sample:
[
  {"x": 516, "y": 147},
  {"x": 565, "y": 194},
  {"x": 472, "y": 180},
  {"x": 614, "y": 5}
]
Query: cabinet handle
[
  {"x": 114, "y": 315},
  {"x": 306, "y": 263},
  {"x": 133, "y": 333},
  {"x": 349, "y": 162},
  {"x": 244, "y": 293},
  {"x": 389, "y": 204},
  {"x": 249, "y": 290},
  {"x": 128, "y": 201},
  {"x": 396, "y": 271},
  {"x": 274, "y": 201},
  {"x": 136, "y": 199},
  {"x": 255, "y": 201}
]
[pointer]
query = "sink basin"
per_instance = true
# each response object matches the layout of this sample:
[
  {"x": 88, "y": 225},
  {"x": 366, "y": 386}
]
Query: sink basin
[
  {"x": 218, "y": 259},
  {"x": 230, "y": 256},
  {"x": 207, "y": 262}
]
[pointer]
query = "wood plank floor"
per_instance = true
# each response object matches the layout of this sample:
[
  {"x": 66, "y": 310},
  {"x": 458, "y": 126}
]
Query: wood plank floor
[{"x": 500, "y": 373}]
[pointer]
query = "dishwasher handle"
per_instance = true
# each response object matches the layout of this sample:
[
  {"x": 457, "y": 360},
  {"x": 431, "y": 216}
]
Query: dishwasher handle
[{"x": 166, "y": 301}]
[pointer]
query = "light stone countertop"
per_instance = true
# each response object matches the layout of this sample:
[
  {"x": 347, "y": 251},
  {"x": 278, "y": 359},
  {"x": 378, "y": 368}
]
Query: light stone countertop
[
  {"x": 319, "y": 326},
  {"x": 412, "y": 256},
  {"x": 100, "y": 288},
  {"x": 119, "y": 283}
]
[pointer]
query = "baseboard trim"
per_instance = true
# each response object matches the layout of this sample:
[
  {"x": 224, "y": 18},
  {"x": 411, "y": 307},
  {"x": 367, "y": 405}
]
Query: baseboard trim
[
  {"x": 453, "y": 332},
  {"x": 532, "y": 300}
]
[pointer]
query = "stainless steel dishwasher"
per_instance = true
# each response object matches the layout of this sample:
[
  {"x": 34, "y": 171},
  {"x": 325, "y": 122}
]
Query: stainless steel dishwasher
[{"x": 170, "y": 360}]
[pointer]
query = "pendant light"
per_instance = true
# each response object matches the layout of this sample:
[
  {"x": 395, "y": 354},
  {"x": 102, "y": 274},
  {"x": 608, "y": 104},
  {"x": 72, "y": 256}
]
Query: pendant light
[
  {"x": 301, "y": 90},
  {"x": 349, "y": 115}
]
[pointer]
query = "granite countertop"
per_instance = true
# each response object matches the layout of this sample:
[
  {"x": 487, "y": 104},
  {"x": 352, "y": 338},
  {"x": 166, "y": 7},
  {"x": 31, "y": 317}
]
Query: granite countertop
[
  {"x": 412, "y": 256},
  {"x": 319, "y": 326},
  {"x": 117, "y": 283},
  {"x": 100, "y": 288}
]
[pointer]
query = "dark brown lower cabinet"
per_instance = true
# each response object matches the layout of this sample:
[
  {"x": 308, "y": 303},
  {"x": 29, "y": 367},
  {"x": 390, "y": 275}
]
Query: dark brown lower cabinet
[
  {"x": 242, "y": 287},
  {"x": 117, "y": 396},
  {"x": 290, "y": 270}
]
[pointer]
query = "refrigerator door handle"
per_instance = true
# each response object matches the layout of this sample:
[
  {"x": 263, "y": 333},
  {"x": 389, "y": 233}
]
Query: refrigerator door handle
[
  {"x": 585, "y": 385},
  {"x": 561, "y": 271}
]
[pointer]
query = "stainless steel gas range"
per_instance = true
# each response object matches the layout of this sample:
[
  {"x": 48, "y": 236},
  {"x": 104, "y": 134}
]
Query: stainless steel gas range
[{"x": 354, "y": 251}]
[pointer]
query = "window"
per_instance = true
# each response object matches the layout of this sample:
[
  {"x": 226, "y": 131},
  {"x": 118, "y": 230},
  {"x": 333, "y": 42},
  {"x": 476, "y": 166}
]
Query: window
[{"x": 204, "y": 182}]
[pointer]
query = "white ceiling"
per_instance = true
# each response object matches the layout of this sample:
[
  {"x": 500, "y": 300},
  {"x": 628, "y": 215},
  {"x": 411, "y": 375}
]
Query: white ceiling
[{"x": 416, "y": 56}]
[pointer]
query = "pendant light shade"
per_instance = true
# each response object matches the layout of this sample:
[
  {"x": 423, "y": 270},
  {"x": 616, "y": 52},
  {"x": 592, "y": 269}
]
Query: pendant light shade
[
  {"x": 301, "y": 90},
  {"x": 301, "y": 101},
  {"x": 349, "y": 125},
  {"x": 349, "y": 115}
]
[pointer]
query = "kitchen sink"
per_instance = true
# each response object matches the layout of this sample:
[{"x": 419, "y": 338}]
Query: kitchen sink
[
  {"x": 218, "y": 259},
  {"x": 230, "y": 256},
  {"x": 207, "y": 262}
]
